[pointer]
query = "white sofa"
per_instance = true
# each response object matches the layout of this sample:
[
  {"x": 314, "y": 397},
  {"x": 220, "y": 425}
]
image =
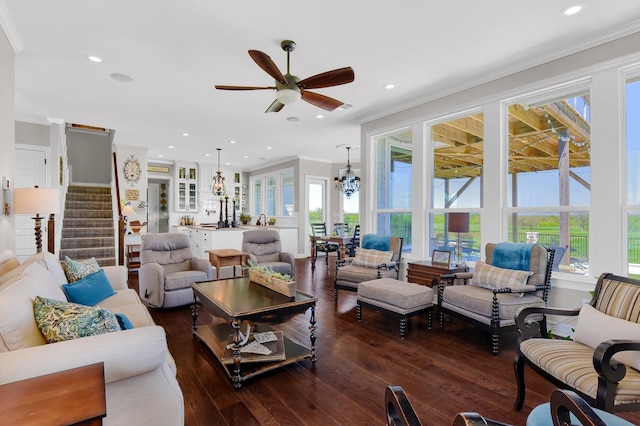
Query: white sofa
[{"x": 140, "y": 374}]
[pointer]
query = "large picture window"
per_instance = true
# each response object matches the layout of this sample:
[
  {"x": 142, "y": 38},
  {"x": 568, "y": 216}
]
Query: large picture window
[
  {"x": 394, "y": 159},
  {"x": 632, "y": 130},
  {"x": 549, "y": 176},
  {"x": 457, "y": 147}
]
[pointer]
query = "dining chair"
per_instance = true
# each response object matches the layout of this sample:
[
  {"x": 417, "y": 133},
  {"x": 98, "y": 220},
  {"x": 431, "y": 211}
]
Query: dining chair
[{"x": 320, "y": 230}]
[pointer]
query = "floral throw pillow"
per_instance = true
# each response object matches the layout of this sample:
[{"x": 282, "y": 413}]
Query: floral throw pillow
[
  {"x": 59, "y": 321},
  {"x": 76, "y": 269}
]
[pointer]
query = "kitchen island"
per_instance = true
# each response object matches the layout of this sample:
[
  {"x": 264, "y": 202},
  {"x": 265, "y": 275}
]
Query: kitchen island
[{"x": 204, "y": 238}]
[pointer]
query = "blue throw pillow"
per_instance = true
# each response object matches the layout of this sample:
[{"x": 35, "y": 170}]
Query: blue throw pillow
[
  {"x": 125, "y": 323},
  {"x": 89, "y": 290},
  {"x": 376, "y": 242}
]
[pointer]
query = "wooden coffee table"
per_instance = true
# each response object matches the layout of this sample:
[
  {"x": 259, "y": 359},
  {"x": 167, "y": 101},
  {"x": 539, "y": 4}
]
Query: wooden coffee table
[
  {"x": 70, "y": 397},
  {"x": 240, "y": 302},
  {"x": 226, "y": 257}
]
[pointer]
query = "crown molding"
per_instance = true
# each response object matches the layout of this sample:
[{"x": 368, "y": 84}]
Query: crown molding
[{"x": 10, "y": 29}]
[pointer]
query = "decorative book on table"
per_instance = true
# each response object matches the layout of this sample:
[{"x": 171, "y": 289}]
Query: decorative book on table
[{"x": 272, "y": 350}]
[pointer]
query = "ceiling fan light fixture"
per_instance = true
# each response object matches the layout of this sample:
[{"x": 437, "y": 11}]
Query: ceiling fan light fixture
[{"x": 288, "y": 96}]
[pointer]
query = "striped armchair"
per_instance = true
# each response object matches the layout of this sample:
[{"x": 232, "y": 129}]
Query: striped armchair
[{"x": 602, "y": 362}]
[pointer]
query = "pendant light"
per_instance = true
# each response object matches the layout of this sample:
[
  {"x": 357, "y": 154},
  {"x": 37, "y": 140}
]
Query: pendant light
[
  {"x": 348, "y": 182},
  {"x": 217, "y": 185}
]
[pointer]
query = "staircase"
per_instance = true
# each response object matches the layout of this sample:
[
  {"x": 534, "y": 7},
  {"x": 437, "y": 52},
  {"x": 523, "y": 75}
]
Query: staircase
[{"x": 88, "y": 227}]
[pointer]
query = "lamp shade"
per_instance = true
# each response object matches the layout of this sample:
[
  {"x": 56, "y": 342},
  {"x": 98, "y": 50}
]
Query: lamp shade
[
  {"x": 35, "y": 201},
  {"x": 128, "y": 210},
  {"x": 458, "y": 222}
]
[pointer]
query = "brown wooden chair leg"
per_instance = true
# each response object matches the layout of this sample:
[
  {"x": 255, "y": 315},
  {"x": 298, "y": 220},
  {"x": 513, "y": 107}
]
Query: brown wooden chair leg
[{"x": 518, "y": 367}]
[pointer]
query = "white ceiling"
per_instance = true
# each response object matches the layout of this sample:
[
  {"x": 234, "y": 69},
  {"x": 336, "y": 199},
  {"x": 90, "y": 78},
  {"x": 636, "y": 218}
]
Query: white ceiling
[{"x": 176, "y": 51}]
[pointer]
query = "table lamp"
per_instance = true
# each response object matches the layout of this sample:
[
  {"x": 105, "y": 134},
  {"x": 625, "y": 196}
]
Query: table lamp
[
  {"x": 127, "y": 211},
  {"x": 34, "y": 201},
  {"x": 458, "y": 223}
]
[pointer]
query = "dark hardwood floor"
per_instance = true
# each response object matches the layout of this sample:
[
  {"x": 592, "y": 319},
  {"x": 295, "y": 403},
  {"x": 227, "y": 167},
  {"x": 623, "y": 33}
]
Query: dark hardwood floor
[{"x": 442, "y": 372}]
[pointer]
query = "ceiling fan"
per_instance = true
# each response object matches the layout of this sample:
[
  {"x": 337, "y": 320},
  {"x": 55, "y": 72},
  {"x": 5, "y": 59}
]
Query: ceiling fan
[{"x": 291, "y": 88}]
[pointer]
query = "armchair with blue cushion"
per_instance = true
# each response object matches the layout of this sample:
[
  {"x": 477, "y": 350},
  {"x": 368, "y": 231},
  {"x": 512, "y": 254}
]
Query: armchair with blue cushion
[
  {"x": 377, "y": 257},
  {"x": 513, "y": 276}
]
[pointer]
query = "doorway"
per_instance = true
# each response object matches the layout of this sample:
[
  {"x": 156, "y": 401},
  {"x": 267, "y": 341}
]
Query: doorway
[
  {"x": 31, "y": 170},
  {"x": 158, "y": 206},
  {"x": 316, "y": 202}
]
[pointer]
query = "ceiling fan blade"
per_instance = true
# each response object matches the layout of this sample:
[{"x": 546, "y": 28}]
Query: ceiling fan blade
[
  {"x": 328, "y": 79},
  {"x": 321, "y": 101},
  {"x": 220, "y": 87},
  {"x": 264, "y": 61},
  {"x": 275, "y": 106}
]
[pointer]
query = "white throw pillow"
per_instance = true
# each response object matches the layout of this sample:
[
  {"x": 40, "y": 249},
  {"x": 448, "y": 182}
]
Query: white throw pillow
[
  {"x": 490, "y": 276},
  {"x": 594, "y": 327},
  {"x": 18, "y": 328},
  {"x": 371, "y": 258}
]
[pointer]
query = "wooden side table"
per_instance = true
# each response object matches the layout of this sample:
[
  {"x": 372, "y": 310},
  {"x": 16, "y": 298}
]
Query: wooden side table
[
  {"x": 226, "y": 257},
  {"x": 426, "y": 273},
  {"x": 70, "y": 397}
]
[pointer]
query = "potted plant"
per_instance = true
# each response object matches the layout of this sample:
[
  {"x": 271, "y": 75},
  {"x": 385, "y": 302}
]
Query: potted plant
[
  {"x": 245, "y": 218},
  {"x": 281, "y": 283},
  {"x": 272, "y": 221}
]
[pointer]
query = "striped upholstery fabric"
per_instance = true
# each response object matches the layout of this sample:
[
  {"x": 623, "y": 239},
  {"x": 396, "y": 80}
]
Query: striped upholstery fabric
[
  {"x": 572, "y": 363},
  {"x": 620, "y": 300}
]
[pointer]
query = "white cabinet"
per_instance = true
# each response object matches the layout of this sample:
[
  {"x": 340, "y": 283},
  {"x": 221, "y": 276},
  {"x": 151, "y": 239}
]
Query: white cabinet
[
  {"x": 186, "y": 187},
  {"x": 231, "y": 238}
]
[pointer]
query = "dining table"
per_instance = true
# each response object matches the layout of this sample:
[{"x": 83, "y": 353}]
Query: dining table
[{"x": 341, "y": 240}]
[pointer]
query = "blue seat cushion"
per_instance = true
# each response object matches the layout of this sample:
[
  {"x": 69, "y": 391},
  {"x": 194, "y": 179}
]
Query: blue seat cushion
[{"x": 541, "y": 416}]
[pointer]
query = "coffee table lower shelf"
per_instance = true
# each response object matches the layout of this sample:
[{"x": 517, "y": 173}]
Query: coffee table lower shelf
[{"x": 215, "y": 337}]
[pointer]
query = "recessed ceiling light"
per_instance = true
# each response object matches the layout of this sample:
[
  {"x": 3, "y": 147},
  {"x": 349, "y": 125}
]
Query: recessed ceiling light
[
  {"x": 232, "y": 141},
  {"x": 207, "y": 155},
  {"x": 227, "y": 164},
  {"x": 171, "y": 146},
  {"x": 293, "y": 118},
  {"x": 389, "y": 86},
  {"x": 268, "y": 147},
  {"x": 160, "y": 156},
  {"x": 319, "y": 116},
  {"x": 94, "y": 58},
  {"x": 184, "y": 134},
  {"x": 246, "y": 156},
  {"x": 572, "y": 10},
  {"x": 123, "y": 78}
]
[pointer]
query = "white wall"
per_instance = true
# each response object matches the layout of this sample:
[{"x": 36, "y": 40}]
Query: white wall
[
  {"x": 7, "y": 138},
  {"x": 601, "y": 66}
]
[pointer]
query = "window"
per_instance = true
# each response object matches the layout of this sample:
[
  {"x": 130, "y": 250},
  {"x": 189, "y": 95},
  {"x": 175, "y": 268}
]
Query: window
[
  {"x": 273, "y": 193},
  {"x": 393, "y": 186},
  {"x": 351, "y": 209},
  {"x": 549, "y": 175},
  {"x": 632, "y": 118},
  {"x": 457, "y": 148},
  {"x": 287, "y": 193}
]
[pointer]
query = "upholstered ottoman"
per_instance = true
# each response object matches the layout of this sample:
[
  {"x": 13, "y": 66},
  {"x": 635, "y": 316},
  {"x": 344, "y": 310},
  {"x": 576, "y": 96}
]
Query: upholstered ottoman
[{"x": 397, "y": 298}]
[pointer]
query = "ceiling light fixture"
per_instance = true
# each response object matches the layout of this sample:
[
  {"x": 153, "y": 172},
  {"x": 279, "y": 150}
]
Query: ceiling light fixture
[
  {"x": 217, "y": 185},
  {"x": 184, "y": 134},
  {"x": 572, "y": 10},
  {"x": 94, "y": 59},
  {"x": 389, "y": 86},
  {"x": 348, "y": 182},
  {"x": 319, "y": 116}
]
